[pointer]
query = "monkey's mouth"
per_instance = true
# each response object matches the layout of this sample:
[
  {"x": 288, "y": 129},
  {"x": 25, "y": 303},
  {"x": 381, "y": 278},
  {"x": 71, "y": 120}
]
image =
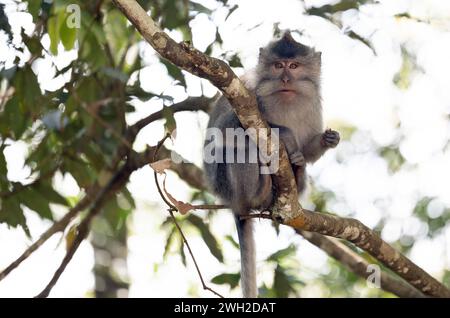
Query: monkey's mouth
[{"x": 286, "y": 91}]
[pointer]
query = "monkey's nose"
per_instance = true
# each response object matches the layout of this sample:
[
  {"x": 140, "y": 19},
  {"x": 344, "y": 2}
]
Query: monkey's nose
[{"x": 285, "y": 79}]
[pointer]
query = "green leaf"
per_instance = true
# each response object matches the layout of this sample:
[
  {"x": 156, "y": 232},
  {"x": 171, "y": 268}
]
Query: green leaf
[
  {"x": 230, "y": 239},
  {"x": 68, "y": 35},
  {"x": 232, "y": 9},
  {"x": 231, "y": 279},
  {"x": 126, "y": 193},
  {"x": 115, "y": 216},
  {"x": 36, "y": 202},
  {"x": 182, "y": 253},
  {"x": 137, "y": 91},
  {"x": 33, "y": 8},
  {"x": 27, "y": 90},
  {"x": 341, "y": 6},
  {"x": 11, "y": 213},
  {"x": 355, "y": 36},
  {"x": 174, "y": 72},
  {"x": 33, "y": 44},
  {"x": 284, "y": 283},
  {"x": 118, "y": 33},
  {"x": 4, "y": 22},
  {"x": 281, "y": 254},
  {"x": 393, "y": 157},
  {"x": 81, "y": 172},
  {"x": 3, "y": 170},
  {"x": 194, "y": 6},
  {"x": 170, "y": 125},
  {"x": 403, "y": 77},
  {"x": 53, "y": 25},
  {"x": 235, "y": 61},
  {"x": 207, "y": 236},
  {"x": 47, "y": 192},
  {"x": 169, "y": 241},
  {"x": 12, "y": 121},
  {"x": 115, "y": 74},
  {"x": 176, "y": 14}
]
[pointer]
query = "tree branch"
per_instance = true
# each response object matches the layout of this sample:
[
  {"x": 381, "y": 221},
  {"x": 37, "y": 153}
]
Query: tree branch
[
  {"x": 358, "y": 265},
  {"x": 354, "y": 231},
  {"x": 190, "y": 104}
]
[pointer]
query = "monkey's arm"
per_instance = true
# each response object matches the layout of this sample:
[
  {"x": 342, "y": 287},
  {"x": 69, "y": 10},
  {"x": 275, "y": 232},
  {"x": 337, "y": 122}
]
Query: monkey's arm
[
  {"x": 295, "y": 154},
  {"x": 319, "y": 144}
]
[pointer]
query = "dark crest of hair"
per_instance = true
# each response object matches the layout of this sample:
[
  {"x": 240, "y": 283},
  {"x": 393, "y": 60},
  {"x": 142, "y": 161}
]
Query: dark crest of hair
[{"x": 287, "y": 47}]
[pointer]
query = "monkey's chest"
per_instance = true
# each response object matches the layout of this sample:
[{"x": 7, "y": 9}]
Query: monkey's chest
[{"x": 302, "y": 125}]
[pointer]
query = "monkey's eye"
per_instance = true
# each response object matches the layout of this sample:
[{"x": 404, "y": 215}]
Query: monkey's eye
[
  {"x": 278, "y": 65},
  {"x": 293, "y": 65}
]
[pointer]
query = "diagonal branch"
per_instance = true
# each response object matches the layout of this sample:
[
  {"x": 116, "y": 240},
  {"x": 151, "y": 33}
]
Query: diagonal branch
[
  {"x": 354, "y": 231},
  {"x": 190, "y": 104},
  {"x": 358, "y": 265}
]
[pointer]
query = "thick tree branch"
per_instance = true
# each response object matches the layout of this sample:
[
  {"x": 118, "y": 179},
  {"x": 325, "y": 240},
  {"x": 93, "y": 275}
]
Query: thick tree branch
[
  {"x": 358, "y": 265},
  {"x": 354, "y": 231}
]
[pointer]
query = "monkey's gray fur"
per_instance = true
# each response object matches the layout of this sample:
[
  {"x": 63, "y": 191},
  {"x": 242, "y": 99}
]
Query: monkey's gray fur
[{"x": 287, "y": 85}]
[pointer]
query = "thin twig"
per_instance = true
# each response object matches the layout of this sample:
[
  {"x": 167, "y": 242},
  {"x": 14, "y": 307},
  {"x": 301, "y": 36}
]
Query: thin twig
[
  {"x": 170, "y": 210},
  {"x": 209, "y": 206}
]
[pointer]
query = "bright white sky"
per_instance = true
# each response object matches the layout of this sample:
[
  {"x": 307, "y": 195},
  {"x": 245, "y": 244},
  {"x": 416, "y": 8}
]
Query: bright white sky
[{"x": 357, "y": 90}]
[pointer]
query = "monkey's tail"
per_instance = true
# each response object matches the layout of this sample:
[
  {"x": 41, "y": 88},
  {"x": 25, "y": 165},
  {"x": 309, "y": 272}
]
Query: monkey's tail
[{"x": 248, "y": 257}]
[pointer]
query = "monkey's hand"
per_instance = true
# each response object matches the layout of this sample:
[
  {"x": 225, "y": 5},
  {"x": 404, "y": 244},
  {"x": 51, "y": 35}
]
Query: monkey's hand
[
  {"x": 330, "y": 138},
  {"x": 297, "y": 159}
]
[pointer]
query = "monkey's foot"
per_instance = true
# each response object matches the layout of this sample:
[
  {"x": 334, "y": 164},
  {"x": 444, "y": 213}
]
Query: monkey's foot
[
  {"x": 297, "y": 158},
  {"x": 330, "y": 138}
]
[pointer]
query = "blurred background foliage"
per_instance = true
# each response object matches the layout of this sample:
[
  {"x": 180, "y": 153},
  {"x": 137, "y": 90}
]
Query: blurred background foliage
[{"x": 75, "y": 129}]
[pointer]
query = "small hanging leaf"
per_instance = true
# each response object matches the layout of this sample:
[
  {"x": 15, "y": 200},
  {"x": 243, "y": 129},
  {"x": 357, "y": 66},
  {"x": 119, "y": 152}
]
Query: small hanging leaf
[
  {"x": 182, "y": 253},
  {"x": 207, "y": 236},
  {"x": 231, "y": 279},
  {"x": 71, "y": 235},
  {"x": 161, "y": 165},
  {"x": 170, "y": 125},
  {"x": 279, "y": 255},
  {"x": 230, "y": 239},
  {"x": 181, "y": 206},
  {"x": 169, "y": 241}
]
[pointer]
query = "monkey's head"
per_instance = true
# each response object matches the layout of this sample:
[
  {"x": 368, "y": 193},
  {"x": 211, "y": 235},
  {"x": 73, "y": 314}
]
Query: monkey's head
[{"x": 287, "y": 69}]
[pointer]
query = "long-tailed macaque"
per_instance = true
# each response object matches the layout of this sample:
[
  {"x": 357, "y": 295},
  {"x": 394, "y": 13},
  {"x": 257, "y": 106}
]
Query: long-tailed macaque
[{"x": 287, "y": 86}]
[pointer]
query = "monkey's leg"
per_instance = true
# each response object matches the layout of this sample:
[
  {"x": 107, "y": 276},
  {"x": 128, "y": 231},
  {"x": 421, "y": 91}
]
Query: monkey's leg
[
  {"x": 300, "y": 177},
  {"x": 319, "y": 144}
]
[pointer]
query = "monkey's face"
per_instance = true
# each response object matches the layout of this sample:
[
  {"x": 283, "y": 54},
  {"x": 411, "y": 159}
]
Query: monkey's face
[
  {"x": 286, "y": 79},
  {"x": 287, "y": 72}
]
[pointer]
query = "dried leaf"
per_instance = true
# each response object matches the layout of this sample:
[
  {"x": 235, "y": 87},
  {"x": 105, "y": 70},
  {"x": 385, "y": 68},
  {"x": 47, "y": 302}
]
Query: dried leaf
[
  {"x": 161, "y": 165},
  {"x": 181, "y": 206}
]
